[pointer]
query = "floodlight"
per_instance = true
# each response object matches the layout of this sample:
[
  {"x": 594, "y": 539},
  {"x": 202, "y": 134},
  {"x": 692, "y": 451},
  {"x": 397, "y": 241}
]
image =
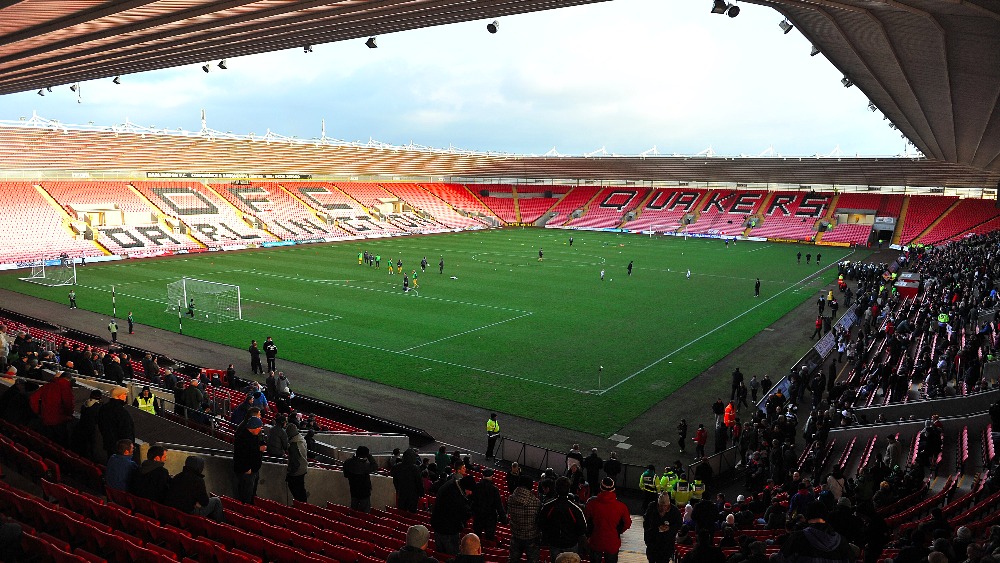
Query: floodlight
[
  {"x": 205, "y": 67},
  {"x": 222, "y": 64},
  {"x": 733, "y": 11},
  {"x": 73, "y": 87},
  {"x": 48, "y": 88},
  {"x": 846, "y": 82},
  {"x": 371, "y": 43},
  {"x": 493, "y": 26},
  {"x": 307, "y": 49},
  {"x": 117, "y": 80},
  {"x": 871, "y": 106},
  {"x": 786, "y": 26},
  {"x": 41, "y": 92},
  {"x": 719, "y": 7},
  {"x": 814, "y": 51}
]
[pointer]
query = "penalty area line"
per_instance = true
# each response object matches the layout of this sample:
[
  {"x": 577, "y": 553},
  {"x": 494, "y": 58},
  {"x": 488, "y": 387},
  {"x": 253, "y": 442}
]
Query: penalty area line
[
  {"x": 466, "y": 332},
  {"x": 792, "y": 287},
  {"x": 424, "y": 358}
]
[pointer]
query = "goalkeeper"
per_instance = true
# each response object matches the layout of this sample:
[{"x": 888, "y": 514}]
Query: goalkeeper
[{"x": 191, "y": 308}]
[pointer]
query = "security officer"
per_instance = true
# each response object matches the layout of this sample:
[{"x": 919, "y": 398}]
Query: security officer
[
  {"x": 647, "y": 484},
  {"x": 492, "y": 433},
  {"x": 146, "y": 401}
]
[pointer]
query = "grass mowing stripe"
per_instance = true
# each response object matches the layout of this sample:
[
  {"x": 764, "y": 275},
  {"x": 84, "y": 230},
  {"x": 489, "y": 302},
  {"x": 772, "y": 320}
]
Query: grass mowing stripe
[
  {"x": 457, "y": 336},
  {"x": 491, "y": 325},
  {"x": 800, "y": 283},
  {"x": 393, "y": 292},
  {"x": 424, "y": 358}
]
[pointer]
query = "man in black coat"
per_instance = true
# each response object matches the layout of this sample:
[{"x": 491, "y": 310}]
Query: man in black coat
[
  {"x": 407, "y": 481},
  {"x": 451, "y": 512},
  {"x": 247, "y": 460},
  {"x": 358, "y": 472},
  {"x": 487, "y": 507},
  {"x": 271, "y": 351},
  {"x": 593, "y": 464},
  {"x": 561, "y": 521},
  {"x": 818, "y": 541},
  {"x": 115, "y": 422},
  {"x": 152, "y": 480},
  {"x": 612, "y": 467},
  {"x": 660, "y": 525},
  {"x": 113, "y": 370},
  {"x": 255, "y": 366},
  {"x": 189, "y": 494}
]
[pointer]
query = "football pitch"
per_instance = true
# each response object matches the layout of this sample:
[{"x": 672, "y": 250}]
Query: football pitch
[{"x": 499, "y": 329}]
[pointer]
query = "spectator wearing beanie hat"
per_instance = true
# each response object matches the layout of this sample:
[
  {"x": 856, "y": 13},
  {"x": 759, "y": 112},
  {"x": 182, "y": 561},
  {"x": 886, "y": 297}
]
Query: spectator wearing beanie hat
[
  {"x": 189, "y": 494},
  {"x": 414, "y": 551},
  {"x": 247, "y": 460},
  {"x": 607, "y": 518}
]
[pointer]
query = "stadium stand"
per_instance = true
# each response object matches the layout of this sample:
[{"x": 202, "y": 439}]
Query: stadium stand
[
  {"x": 533, "y": 201},
  {"x": 503, "y": 206},
  {"x": 573, "y": 201},
  {"x": 33, "y": 227},
  {"x": 280, "y": 212},
  {"x": 846, "y": 232},
  {"x": 790, "y": 215},
  {"x": 212, "y": 220},
  {"x": 900, "y": 354},
  {"x": 725, "y": 211},
  {"x": 967, "y": 217},
  {"x": 608, "y": 209},
  {"x": 666, "y": 208},
  {"x": 436, "y": 214},
  {"x": 126, "y": 224},
  {"x": 922, "y": 211},
  {"x": 461, "y": 198},
  {"x": 342, "y": 209}
]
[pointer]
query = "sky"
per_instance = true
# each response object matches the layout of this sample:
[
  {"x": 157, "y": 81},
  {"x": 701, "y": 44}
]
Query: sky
[{"x": 619, "y": 77}]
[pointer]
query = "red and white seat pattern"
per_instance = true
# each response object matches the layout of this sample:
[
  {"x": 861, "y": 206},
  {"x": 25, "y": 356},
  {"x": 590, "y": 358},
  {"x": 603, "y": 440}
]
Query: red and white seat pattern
[{"x": 212, "y": 221}]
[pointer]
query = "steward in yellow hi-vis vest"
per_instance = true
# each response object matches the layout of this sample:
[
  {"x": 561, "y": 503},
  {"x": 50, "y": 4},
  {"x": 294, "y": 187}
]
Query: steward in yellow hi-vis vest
[
  {"x": 492, "y": 430},
  {"x": 146, "y": 401}
]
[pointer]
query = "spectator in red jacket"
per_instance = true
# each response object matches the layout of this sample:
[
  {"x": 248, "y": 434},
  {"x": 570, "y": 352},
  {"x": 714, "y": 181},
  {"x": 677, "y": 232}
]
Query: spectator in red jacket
[
  {"x": 53, "y": 403},
  {"x": 607, "y": 520},
  {"x": 700, "y": 439}
]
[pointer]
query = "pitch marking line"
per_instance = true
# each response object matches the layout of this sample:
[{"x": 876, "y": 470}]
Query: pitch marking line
[
  {"x": 309, "y": 311},
  {"x": 721, "y": 326},
  {"x": 171, "y": 278},
  {"x": 465, "y": 332},
  {"x": 418, "y": 357},
  {"x": 372, "y": 347},
  {"x": 313, "y": 323},
  {"x": 483, "y": 258},
  {"x": 392, "y": 292}
]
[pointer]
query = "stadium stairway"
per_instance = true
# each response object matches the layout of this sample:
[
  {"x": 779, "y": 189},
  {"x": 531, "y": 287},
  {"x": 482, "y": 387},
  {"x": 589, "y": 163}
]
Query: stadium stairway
[
  {"x": 898, "y": 233},
  {"x": 517, "y": 207},
  {"x": 938, "y": 220},
  {"x": 828, "y": 216}
]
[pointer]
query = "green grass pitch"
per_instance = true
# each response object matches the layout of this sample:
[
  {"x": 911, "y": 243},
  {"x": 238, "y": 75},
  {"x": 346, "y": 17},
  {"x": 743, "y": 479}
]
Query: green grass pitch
[{"x": 499, "y": 329}]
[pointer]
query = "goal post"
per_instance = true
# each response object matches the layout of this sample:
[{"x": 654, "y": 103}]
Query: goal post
[
  {"x": 53, "y": 272},
  {"x": 667, "y": 228},
  {"x": 205, "y": 300}
]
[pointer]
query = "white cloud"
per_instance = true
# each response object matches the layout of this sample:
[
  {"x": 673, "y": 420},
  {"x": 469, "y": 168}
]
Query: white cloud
[{"x": 627, "y": 75}]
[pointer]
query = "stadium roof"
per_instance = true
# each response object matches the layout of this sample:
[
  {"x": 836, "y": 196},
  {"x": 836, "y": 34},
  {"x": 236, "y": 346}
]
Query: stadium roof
[
  {"x": 931, "y": 66},
  {"x": 43, "y": 145}
]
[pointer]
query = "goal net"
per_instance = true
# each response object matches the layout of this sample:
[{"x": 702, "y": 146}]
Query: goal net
[
  {"x": 53, "y": 272},
  {"x": 677, "y": 229},
  {"x": 204, "y": 300}
]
